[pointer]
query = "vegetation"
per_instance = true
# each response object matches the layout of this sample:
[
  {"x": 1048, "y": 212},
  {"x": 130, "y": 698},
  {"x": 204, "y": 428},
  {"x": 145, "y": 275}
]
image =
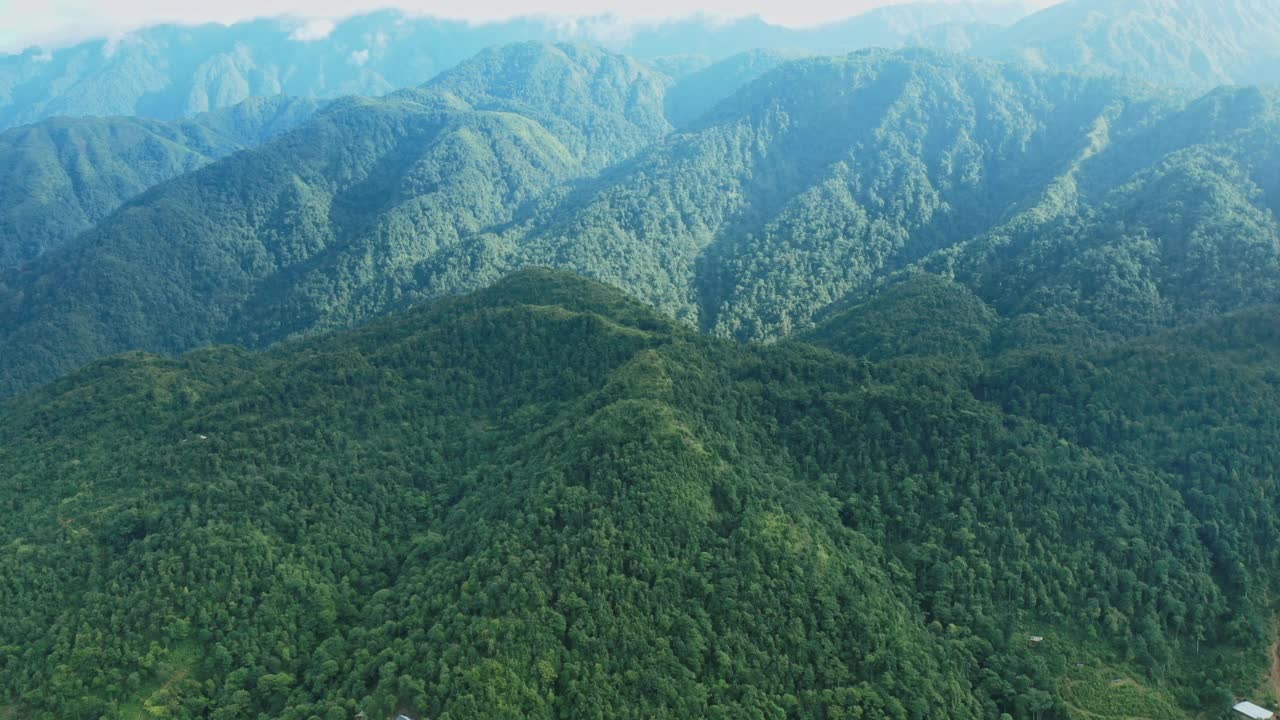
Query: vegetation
[
  {"x": 61, "y": 176},
  {"x": 1019, "y": 381},
  {"x": 324, "y": 226},
  {"x": 546, "y": 500},
  {"x": 1107, "y": 694},
  {"x": 1001, "y": 443},
  {"x": 1112, "y": 209},
  {"x": 1095, "y": 201},
  {"x": 701, "y": 90},
  {"x": 1177, "y": 42},
  {"x": 169, "y": 71}
]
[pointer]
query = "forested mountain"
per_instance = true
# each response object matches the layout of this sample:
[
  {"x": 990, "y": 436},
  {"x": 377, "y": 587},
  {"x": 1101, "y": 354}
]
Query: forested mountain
[
  {"x": 1201, "y": 43},
  {"x": 896, "y": 385},
  {"x": 1103, "y": 203},
  {"x": 603, "y": 107},
  {"x": 1126, "y": 207},
  {"x": 326, "y": 225},
  {"x": 545, "y": 500},
  {"x": 696, "y": 92},
  {"x": 60, "y": 176},
  {"x": 1129, "y": 245},
  {"x": 169, "y": 71}
]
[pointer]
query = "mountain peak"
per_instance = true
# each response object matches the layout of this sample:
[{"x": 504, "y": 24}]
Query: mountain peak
[
  {"x": 612, "y": 105},
  {"x": 541, "y": 286}
]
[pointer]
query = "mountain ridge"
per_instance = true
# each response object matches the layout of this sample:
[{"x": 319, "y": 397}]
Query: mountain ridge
[
  {"x": 173, "y": 71},
  {"x": 62, "y": 175},
  {"x": 814, "y": 183},
  {"x": 544, "y": 498}
]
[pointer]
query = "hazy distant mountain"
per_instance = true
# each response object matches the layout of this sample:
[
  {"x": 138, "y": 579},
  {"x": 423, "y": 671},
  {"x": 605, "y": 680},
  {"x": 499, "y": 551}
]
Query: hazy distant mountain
[
  {"x": 325, "y": 226},
  {"x": 1178, "y": 42},
  {"x": 697, "y": 92},
  {"x": 170, "y": 71},
  {"x": 60, "y": 176},
  {"x": 1101, "y": 201}
]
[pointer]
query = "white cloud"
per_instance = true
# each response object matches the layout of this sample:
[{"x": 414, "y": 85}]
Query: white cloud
[
  {"x": 313, "y": 30},
  {"x": 113, "y": 41},
  {"x": 359, "y": 58},
  {"x": 610, "y": 30}
]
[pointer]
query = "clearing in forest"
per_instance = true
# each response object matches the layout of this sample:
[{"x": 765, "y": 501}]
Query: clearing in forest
[{"x": 1108, "y": 694}]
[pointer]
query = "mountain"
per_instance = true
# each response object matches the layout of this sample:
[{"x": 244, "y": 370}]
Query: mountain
[
  {"x": 889, "y": 26},
  {"x": 696, "y": 92},
  {"x": 326, "y": 225},
  {"x": 169, "y": 71},
  {"x": 827, "y": 177},
  {"x": 1127, "y": 244},
  {"x": 1090, "y": 202},
  {"x": 1127, "y": 208},
  {"x": 60, "y": 176},
  {"x": 604, "y": 107},
  {"x": 546, "y": 500},
  {"x": 1176, "y": 42}
]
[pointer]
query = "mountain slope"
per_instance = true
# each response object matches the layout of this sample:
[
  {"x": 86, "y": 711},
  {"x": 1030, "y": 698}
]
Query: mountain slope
[
  {"x": 1117, "y": 208},
  {"x": 1175, "y": 42},
  {"x": 324, "y": 226},
  {"x": 697, "y": 92},
  {"x": 1128, "y": 208},
  {"x": 823, "y": 175},
  {"x": 545, "y": 500},
  {"x": 168, "y": 71},
  {"x": 60, "y": 176},
  {"x": 1191, "y": 235},
  {"x": 603, "y": 107}
]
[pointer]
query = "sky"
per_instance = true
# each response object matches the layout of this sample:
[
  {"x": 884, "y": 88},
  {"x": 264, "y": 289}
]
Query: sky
[{"x": 24, "y": 23}]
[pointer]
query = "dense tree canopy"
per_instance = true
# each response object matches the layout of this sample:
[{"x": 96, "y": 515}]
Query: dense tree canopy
[
  {"x": 546, "y": 500},
  {"x": 1097, "y": 201},
  {"x": 922, "y": 386},
  {"x": 61, "y": 176},
  {"x": 171, "y": 71}
]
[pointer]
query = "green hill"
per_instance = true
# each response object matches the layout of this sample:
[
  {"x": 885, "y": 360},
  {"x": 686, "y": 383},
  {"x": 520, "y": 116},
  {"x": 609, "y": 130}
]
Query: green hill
[
  {"x": 696, "y": 92},
  {"x": 171, "y": 71},
  {"x": 604, "y": 107},
  {"x": 58, "y": 177},
  {"x": 1111, "y": 206},
  {"x": 546, "y": 500},
  {"x": 1191, "y": 43},
  {"x": 326, "y": 225}
]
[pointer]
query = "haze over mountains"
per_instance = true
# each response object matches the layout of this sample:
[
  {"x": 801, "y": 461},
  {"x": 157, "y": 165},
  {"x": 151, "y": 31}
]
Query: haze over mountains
[
  {"x": 723, "y": 378},
  {"x": 168, "y": 72},
  {"x": 1099, "y": 201},
  {"x": 1179, "y": 42},
  {"x": 58, "y": 177}
]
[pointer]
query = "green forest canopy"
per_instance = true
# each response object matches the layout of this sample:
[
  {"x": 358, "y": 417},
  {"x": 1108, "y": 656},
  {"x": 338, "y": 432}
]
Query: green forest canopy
[
  {"x": 547, "y": 500},
  {"x": 1104, "y": 203}
]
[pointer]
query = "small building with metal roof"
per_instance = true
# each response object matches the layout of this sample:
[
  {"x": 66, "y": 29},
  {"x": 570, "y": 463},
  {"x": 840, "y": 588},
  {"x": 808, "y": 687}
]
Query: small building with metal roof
[{"x": 1253, "y": 712}]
